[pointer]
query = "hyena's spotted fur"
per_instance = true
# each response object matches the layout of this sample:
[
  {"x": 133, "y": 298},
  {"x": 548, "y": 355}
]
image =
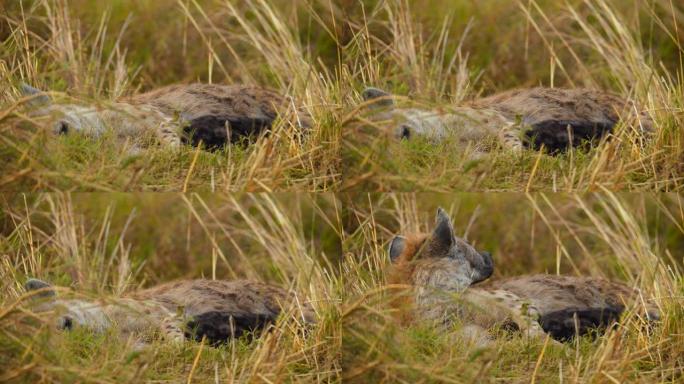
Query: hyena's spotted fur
[
  {"x": 213, "y": 309},
  {"x": 442, "y": 268},
  {"x": 209, "y": 113},
  {"x": 527, "y": 118}
]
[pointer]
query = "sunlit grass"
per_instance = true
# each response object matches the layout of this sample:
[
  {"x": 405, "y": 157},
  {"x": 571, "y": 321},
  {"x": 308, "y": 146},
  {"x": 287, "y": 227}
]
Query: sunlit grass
[
  {"x": 627, "y": 238},
  {"x": 104, "y": 245}
]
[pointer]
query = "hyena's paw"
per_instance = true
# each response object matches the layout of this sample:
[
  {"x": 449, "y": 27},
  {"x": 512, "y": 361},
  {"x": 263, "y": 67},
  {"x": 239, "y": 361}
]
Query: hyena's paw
[
  {"x": 172, "y": 329},
  {"x": 168, "y": 135},
  {"x": 510, "y": 136}
]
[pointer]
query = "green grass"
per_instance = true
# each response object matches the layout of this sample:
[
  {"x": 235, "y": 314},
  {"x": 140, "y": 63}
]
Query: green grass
[
  {"x": 101, "y": 244},
  {"x": 623, "y": 237},
  {"x": 323, "y": 55},
  {"x": 332, "y": 248}
]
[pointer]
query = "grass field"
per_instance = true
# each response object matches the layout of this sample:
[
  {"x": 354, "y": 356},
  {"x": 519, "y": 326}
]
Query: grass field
[
  {"x": 326, "y": 204},
  {"x": 323, "y": 53},
  {"x": 103, "y": 245},
  {"x": 629, "y": 238},
  {"x": 332, "y": 248}
]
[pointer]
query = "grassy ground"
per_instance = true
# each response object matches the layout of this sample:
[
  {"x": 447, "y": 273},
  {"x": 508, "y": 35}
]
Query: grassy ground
[
  {"x": 333, "y": 248},
  {"x": 324, "y": 53},
  {"x": 628, "y": 238},
  {"x": 611, "y": 45},
  {"x": 102, "y": 245}
]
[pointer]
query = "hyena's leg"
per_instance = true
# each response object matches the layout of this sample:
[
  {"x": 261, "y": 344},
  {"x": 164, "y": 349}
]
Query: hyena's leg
[
  {"x": 509, "y": 135},
  {"x": 559, "y": 135},
  {"x": 528, "y": 321},
  {"x": 172, "y": 328},
  {"x": 475, "y": 334},
  {"x": 167, "y": 133}
]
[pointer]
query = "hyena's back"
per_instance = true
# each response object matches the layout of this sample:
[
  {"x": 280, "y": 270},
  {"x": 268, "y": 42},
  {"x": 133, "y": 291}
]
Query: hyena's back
[
  {"x": 549, "y": 113},
  {"x": 220, "y": 309},
  {"x": 210, "y": 111},
  {"x": 567, "y": 305}
]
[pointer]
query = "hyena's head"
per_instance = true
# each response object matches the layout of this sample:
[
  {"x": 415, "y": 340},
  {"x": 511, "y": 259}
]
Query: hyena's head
[
  {"x": 64, "y": 118},
  {"x": 439, "y": 260},
  {"x": 405, "y": 123},
  {"x": 68, "y": 313}
]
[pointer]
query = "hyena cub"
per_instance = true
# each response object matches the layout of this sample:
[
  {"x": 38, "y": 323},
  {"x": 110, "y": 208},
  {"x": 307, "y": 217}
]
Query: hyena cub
[
  {"x": 212, "y": 114},
  {"x": 552, "y": 118},
  {"x": 442, "y": 269},
  {"x": 189, "y": 309}
]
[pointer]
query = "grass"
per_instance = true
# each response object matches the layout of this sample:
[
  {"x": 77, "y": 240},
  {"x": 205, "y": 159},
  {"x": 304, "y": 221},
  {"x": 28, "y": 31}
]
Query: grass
[
  {"x": 592, "y": 44},
  {"x": 624, "y": 237},
  {"x": 103, "y": 245},
  {"x": 331, "y": 247},
  {"x": 323, "y": 54}
]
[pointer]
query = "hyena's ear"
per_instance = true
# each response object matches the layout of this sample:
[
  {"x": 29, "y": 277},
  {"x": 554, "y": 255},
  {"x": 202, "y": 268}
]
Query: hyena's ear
[
  {"x": 443, "y": 237},
  {"x": 381, "y": 99},
  {"x": 39, "y": 99},
  {"x": 396, "y": 247},
  {"x": 35, "y": 284}
]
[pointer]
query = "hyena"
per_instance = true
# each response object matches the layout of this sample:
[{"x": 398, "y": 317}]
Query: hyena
[
  {"x": 212, "y": 114},
  {"x": 552, "y": 118},
  {"x": 443, "y": 271},
  {"x": 217, "y": 310}
]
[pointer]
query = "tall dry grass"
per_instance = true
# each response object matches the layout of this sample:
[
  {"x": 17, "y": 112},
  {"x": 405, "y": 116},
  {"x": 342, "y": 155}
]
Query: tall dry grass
[
  {"x": 595, "y": 44},
  {"x": 323, "y": 53},
  {"x": 102, "y": 246},
  {"x": 629, "y": 238},
  {"x": 46, "y": 46}
]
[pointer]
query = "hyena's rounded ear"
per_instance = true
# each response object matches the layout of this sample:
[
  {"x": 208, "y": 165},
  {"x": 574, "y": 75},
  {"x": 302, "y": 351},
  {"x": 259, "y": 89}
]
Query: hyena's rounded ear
[
  {"x": 35, "y": 284},
  {"x": 443, "y": 235},
  {"x": 380, "y": 98},
  {"x": 39, "y": 97},
  {"x": 396, "y": 247}
]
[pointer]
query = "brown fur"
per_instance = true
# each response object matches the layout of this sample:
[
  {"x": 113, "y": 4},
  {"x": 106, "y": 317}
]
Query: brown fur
[
  {"x": 215, "y": 309},
  {"x": 237, "y": 297},
  {"x": 557, "y": 302},
  {"x": 212, "y": 99},
  {"x": 402, "y": 269},
  {"x": 556, "y": 117},
  {"x": 212, "y": 114},
  {"x": 552, "y": 118}
]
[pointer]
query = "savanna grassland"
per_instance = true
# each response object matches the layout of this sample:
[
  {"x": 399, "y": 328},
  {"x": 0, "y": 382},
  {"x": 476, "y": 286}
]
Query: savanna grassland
[
  {"x": 632, "y": 238},
  {"x": 105, "y": 245},
  {"x": 327, "y": 203},
  {"x": 333, "y": 249},
  {"x": 437, "y": 53}
]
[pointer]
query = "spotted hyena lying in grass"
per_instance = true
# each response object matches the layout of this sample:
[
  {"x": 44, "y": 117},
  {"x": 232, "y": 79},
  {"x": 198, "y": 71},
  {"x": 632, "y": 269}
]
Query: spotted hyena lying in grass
[
  {"x": 189, "y": 309},
  {"x": 208, "y": 113},
  {"x": 528, "y": 118},
  {"x": 442, "y": 269}
]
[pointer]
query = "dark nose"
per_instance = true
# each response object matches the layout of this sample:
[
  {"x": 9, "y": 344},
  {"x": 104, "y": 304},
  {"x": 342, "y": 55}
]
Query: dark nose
[
  {"x": 63, "y": 128},
  {"x": 405, "y": 132},
  {"x": 67, "y": 323}
]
